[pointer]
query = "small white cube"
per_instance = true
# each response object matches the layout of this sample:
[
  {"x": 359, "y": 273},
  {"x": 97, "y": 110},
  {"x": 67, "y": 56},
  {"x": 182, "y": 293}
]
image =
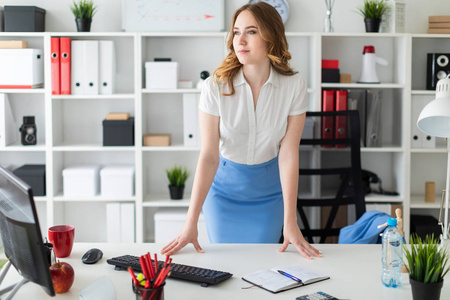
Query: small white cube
[
  {"x": 169, "y": 221},
  {"x": 81, "y": 181},
  {"x": 117, "y": 181},
  {"x": 161, "y": 75}
]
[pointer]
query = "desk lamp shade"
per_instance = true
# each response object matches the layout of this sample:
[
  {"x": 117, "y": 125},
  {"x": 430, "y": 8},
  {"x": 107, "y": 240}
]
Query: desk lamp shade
[
  {"x": 435, "y": 120},
  {"x": 435, "y": 117}
]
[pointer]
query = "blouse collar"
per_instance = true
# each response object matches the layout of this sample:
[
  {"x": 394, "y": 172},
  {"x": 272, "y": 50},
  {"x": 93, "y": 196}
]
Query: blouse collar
[{"x": 273, "y": 77}]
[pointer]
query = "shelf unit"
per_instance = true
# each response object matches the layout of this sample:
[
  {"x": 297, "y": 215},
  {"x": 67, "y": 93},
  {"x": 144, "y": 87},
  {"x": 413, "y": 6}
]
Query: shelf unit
[{"x": 69, "y": 126}]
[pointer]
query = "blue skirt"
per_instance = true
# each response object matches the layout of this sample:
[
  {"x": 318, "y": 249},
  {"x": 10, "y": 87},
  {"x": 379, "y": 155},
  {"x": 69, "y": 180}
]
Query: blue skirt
[{"x": 245, "y": 203}]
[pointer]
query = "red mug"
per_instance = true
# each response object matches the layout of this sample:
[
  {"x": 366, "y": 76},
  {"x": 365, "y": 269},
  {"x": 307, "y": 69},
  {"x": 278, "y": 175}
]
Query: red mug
[{"x": 61, "y": 236}]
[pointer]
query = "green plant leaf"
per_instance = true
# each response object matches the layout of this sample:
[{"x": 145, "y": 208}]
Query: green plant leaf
[
  {"x": 427, "y": 262},
  {"x": 177, "y": 175},
  {"x": 84, "y": 9}
]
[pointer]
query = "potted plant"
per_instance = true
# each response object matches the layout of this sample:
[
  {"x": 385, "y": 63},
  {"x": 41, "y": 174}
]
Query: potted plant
[
  {"x": 372, "y": 11},
  {"x": 83, "y": 11},
  {"x": 177, "y": 177},
  {"x": 427, "y": 264}
]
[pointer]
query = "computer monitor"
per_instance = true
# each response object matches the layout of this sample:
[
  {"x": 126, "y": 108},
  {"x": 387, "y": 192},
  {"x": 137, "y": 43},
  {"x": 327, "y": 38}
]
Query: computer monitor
[{"x": 21, "y": 234}]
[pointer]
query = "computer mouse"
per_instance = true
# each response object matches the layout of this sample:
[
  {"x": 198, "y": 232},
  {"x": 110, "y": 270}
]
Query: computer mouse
[{"x": 92, "y": 256}]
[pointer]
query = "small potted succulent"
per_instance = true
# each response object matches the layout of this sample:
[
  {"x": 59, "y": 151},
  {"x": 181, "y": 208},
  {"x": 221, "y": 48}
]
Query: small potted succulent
[
  {"x": 177, "y": 177},
  {"x": 373, "y": 11},
  {"x": 83, "y": 10},
  {"x": 427, "y": 264}
]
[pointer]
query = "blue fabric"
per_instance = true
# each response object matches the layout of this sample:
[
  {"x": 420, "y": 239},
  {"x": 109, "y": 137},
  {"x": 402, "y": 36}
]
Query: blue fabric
[
  {"x": 365, "y": 230},
  {"x": 245, "y": 203}
]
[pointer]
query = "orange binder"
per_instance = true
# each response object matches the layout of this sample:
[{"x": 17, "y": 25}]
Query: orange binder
[
  {"x": 55, "y": 63},
  {"x": 341, "y": 121},
  {"x": 65, "y": 65},
  {"x": 328, "y": 102}
]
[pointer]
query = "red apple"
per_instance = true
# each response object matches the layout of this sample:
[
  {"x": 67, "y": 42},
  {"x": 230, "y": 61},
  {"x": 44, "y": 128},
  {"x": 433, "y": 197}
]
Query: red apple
[{"x": 62, "y": 276}]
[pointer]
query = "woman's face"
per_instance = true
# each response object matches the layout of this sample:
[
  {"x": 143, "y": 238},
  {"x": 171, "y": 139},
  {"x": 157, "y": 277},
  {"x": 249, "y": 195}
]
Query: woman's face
[{"x": 248, "y": 44}]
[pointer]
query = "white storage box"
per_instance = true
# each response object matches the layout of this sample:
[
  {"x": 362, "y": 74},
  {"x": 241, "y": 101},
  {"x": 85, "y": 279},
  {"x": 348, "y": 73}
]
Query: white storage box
[
  {"x": 81, "y": 181},
  {"x": 117, "y": 181},
  {"x": 161, "y": 75},
  {"x": 21, "y": 68},
  {"x": 169, "y": 221}
]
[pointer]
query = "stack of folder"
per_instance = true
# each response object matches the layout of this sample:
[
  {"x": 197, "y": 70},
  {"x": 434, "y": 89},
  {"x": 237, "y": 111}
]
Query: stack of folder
[
  {"x": 82, "y": 67},
  {"x": 439, "y": 24},
  {"x": 366, "y": 102}
]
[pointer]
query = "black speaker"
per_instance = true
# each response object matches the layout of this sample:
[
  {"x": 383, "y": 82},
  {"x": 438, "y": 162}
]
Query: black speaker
[{"x": 438, "y": 67}]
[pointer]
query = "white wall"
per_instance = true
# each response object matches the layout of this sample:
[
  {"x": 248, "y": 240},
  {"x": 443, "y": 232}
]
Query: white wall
[{"x": 306, "y": 15}]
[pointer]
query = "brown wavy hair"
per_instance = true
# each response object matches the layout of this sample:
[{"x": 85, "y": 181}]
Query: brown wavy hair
[{"x": 271, "y": 28}]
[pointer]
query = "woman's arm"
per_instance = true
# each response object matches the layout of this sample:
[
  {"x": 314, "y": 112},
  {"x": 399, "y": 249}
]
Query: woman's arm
[
  {"x": 207, "y": 164},
  {"x": 288, "y": 164}
]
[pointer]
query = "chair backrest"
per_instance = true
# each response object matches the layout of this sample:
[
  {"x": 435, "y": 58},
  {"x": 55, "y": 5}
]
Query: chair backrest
[{"x": 334, "y": 174}]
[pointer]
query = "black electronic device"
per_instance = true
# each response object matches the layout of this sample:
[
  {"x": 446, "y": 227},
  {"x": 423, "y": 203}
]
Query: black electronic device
[
  {"x": 178, "y": 271},
  {"x": 317, "y": 296},
  {"x": 92, "y": 256},
  {"x": 438, "y": 67},
  {"x": 21, "y": 234},
  {"x": 28, "y": 131}
]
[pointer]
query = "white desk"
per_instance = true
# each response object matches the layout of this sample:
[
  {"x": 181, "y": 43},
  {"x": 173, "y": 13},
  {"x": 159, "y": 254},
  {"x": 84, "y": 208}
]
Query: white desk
[{"x": 354, "y": 270}]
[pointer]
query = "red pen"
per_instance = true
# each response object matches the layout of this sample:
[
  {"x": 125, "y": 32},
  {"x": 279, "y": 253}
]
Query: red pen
[
  {"x": 156, "y": 263},
  {"x": 133, "y": 277},
  {"x": 150, "y": 265},
  {"x": 166, "y": 261},
  {"x": 144, "y": 268}
]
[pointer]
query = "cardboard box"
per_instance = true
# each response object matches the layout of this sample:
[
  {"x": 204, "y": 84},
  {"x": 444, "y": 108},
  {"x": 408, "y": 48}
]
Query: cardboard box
[
  {"x": 4, "y": 44},
  {"x": 21, "y": 68},
  {"x": 346, "y": 78},
  {"x": 118, "y": 132},
  {"x": 34, "y": 176},
  {"x": 157, "y": 140},
  {"x": 169, "y": 221},
  {"x": 24, "y": 19},
  {"x": 81, "y": 181},
  {"x": 117, "y": 181},
  {"x": 161, "y": 75}
]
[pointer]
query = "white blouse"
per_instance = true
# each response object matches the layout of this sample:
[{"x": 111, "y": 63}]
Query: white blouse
[{"x": 248, "y": 135}]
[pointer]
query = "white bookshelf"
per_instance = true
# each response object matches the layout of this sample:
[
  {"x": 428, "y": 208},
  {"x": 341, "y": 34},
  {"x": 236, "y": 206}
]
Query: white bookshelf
[{"x": 70, "y": 129}]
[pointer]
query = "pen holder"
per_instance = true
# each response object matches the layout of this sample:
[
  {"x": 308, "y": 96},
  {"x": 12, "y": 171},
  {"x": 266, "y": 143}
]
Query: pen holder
[{"x": 150, "y": 293}]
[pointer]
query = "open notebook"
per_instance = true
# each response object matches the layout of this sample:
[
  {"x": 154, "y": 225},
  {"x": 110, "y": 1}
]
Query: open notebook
[{"x": 272, "y": 281}]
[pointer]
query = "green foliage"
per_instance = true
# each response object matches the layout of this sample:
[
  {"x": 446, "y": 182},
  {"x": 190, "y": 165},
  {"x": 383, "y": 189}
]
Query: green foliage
[
  {"x": 84, "y": 9},
  {"x": 177, "y": 175},
  {"x": 373, "y": 9},
  {"x": 426, "y": 262}
]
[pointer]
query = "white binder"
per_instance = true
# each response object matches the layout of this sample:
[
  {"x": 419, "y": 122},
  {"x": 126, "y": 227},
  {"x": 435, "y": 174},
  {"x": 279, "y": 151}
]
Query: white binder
[
  {"x": 113, "y": 223},
  {"x": 428, "y": 141},
  {"x": 190, "y": 120},
  {"x": 9, "y": 132},
  {"x": 91, "y": 67},
  {"x": 77, "y": 65},
  {"x": 127, "y": 223},
  {"x": 107, "y": 67},
  {"x": 416, "y": 134}
]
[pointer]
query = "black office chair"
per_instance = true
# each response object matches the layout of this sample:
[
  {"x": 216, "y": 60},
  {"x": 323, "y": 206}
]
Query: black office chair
[{"x": 337, "y": 173}]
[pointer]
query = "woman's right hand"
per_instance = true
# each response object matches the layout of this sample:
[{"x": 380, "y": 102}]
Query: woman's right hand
[{"x": 189, "y": 234}]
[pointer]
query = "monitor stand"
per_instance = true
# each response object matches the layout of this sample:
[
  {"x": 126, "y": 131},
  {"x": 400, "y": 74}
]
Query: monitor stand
[{"x": 13, "y": 287}]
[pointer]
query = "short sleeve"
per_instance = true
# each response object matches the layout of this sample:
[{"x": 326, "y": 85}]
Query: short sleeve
[
  {"x": 209, "y": 98},
  {"x": 299, "y": 104}
]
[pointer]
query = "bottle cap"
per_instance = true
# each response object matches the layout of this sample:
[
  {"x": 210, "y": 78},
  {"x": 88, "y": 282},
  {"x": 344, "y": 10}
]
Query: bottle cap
[{"x": 392, "y": 222}]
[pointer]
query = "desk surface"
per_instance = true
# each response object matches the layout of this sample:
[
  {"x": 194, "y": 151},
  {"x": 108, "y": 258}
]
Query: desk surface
[{"x": 354, "y": 270}]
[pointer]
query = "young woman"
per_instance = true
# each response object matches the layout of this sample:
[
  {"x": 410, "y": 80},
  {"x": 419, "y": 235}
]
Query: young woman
[{"x": 252, "y": 114}]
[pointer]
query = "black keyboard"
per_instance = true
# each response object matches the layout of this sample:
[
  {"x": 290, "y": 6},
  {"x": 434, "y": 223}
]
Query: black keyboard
[{"x": 179, "y": 271}]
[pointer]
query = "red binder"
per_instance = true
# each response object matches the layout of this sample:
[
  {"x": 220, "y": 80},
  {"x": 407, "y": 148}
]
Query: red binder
[
  {"x": 65, "y": 65},
  {"x": 341, "y": 121},
  {"x": 55, "y": 63},
  {"x": 328, "y": 103}
]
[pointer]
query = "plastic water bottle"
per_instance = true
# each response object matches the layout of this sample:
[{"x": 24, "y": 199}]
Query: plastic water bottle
[{"x": 391, "y": 275}]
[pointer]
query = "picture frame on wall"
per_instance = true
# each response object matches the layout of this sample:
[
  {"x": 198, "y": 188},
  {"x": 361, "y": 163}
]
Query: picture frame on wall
[{"x": 174, "y": 15}]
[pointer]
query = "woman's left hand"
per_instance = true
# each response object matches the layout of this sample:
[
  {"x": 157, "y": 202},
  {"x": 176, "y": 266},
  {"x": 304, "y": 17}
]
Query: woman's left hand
[{"x": 293, "y": 235}]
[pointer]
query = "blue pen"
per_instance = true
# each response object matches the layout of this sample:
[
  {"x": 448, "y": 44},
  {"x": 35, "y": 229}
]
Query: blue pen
[{"x": 290, "y": 276}]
